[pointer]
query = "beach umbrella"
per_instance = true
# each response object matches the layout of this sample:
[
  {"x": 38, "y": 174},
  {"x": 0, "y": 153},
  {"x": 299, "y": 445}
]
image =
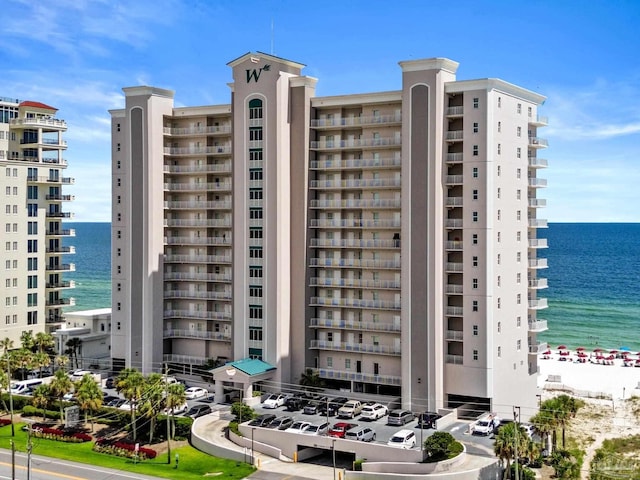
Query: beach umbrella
[
  {"x": 579, "y": 349},
  {"x": 613, "y": 351},
  {"x": 561, "y": 347},
  {"x": 596, "y": 350}
]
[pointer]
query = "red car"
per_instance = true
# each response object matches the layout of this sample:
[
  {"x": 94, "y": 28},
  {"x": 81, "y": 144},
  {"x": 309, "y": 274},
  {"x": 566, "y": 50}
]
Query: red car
[{"x": 340, "y": 428}]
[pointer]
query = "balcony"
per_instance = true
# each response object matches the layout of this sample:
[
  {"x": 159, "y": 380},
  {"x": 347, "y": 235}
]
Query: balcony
[
  {"x": 537, "y": 202},
  {"x": 454, "y": 335},
  {"x": 194, "y": 205},
  {"x": 359, "y": 204},
  {"x": 353, "y": 263},
  {"x": 357, "y": 376},
  {"x": 453, "y": 202},
  {"x": 537, "y": 223},
  {"x": 537, "y": 182},
  {"x": 455, "y": 267},
  {"x": 32, "y": 159},
  {"x": 389, "y": 182},
  {"x": 60, "y": 198},
  {"x": 62, "y": 250},
  {"x": 208, "y": 150},
  {"x": 538, "y": 304},
  {"x": 184, "y": 359},
  {"x": 354, "y": 283},
  {"x": 197, "y": 315},
  {"x": 49, "y": 180},
  {"x": 454, "y": 111},
  {"x": 537, "y": 348},
  {"x": 353, "y": 325},
  {"x": 190, "y": 131},
  {"x": 354, "y": 223},
  {"x": 353, "y": 243},
  {"x": 355, "y": 143},
  {"x": 453, "y": 311},
  {"x": 535, "y": 162},
  {"x": 538, "y": 326},
  {"x": 198, "y": 334},
  {"x": 59, "y": 215},
  {"x": 62, "y": 267},
  {"x": 453, "y": 289},
  {"x": 198, "y": 187},
  {"x": 451, "y": 180},
  {"x": 40, "y": 122},
  {"x": 537, "y": 243},
  {"x": 454, "y": 136},
  {"x": 198, "y": 295},
  {"x": 535, "y": 263},
  {"x": 194, "y": 258},
  {"x": 197, "y": 277},
  {"x": 212, "y": 241},
  {"x": 537, "y": 142},
  {"x": 454, "y": 359},
  {"x": 60, "y": 302},
  {"x": 61, "y": 285},
  {"x": 354, "y": 303},
  {"x": 332, "y": 122},
  {"x": 358, "y": 163},
  {"x": 538, "y": 283},
  {"x": 356, "y": 347},
  {"x": 538, "y": 121},
  {"x": 191, "y": 169},
  {"x": 454, "y": 158},
  {"x": 453, "y": 245},
  {"x": 196, "y": 222},
  {"x": 71, "y": 232},
  {"x": 453, "y": 223}
]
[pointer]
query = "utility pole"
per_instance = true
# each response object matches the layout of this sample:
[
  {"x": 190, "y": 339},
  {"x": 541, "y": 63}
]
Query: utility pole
[
  {"x": 169, "y": 413},
  {"x": 29, "y": 448},
  {"x": 13, "y": 430},
  {"x": 516, "y": 418},
  {"x": 13, "y": 460}
]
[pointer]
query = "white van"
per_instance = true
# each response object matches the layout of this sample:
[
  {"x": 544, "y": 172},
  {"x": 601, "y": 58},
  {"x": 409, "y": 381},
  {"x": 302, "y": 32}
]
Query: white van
[{"x": 25, "y": 386}]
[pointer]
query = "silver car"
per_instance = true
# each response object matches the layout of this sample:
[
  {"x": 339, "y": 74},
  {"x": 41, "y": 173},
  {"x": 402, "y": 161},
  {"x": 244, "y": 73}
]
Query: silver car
[{"x": 363, "y": 434}]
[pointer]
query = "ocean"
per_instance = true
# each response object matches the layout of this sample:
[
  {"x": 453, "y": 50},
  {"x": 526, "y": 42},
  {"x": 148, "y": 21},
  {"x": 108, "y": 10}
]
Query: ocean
[{"x": 593, "y": 274}]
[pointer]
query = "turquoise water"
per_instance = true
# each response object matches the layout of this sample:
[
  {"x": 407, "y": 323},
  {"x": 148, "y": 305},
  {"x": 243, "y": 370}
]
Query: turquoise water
[{"x": 594, "y": 280}]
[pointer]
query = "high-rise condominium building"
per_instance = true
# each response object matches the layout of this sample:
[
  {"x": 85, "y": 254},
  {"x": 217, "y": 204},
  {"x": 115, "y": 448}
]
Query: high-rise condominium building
[
  {"x": 31, "y": 219},
  {"x": 387, "y": 241}
]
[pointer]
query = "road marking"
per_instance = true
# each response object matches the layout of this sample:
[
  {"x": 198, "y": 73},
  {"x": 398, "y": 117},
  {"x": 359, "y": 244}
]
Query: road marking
[{"x": 48, "y": 472}]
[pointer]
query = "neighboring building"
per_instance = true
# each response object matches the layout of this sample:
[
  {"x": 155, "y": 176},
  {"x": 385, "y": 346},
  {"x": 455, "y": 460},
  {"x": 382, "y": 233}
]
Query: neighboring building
[
  {"x": 32, "y": 251},
  {"x": 93, "y": 329},
  {"x": 388, "y": 241}
]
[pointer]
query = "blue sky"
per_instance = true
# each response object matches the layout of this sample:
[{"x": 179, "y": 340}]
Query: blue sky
[{"x": 76, "y": 55}]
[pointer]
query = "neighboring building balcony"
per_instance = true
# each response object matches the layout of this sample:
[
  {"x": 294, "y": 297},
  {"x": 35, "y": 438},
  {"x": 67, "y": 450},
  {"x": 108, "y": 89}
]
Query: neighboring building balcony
[
  {"x": 537, "y": 223},
  {"x": 537, "y": 202},
  {"x": 453, "y": 245},
  {"x": 454, "y": 158},
  {"x": 538, "y": 283},
  {"x": 194, "y": 205},
  {"x": 538, "y": 326},
  {"x": 320, "y": 123},
  {"x": 354, "y": 263},
  {"x": 44, "y": 142},
  {"x": 535, "y": 162},
  {"x": 350, "y": 375},
  {"x": 355, "y": 347},
  {"x": 453, "y": 202},
  {"x": 342, "y": 204},
  {"x": 537, "y": 142},
  {"x": 71, "y": 232},
  {"x": 197, "y": 187},
  {"x": 60, "y": 198},
  {"x": 353, "y": 283},
  {"x": 453, "y": 289},
  {"x": 451, "y": 311},
  {"x": 353, "y": 325},
  {"x": 356, "y": 143},
  {"x": 538, "y": 304},
  {"x": 188, "y": 131},
  {"x": 454, "y": 136},
  {"x": 538, "y": 263},
  {"x": 61, "y": 250},
  {"x": 354, "y": 303},
  {"x": 454, "y": 335},
  {"x": 49, "y": 180},
  {"x": 451, "y": 180},
  {"x": 453, "y": 223},
  {"x": 537, "y": 182},
  {"x": 198, "y": 334},
  {"x": 61, "y": 285},
  {"x": 537, "y": 348},
  {"x": 46, "y": 123},
  {"x": 357, "y": 164},
  {"x": 220, "y": 241},
  {"x": 208, "y": 150},
  {"x": 184, "y": 359},
  {"x": 389, "y": 182},
  {"x": 194, "y": 258},
  {"x": 62, "y": 267},
  {"x": 197, "y": 222},
  {"x": 59, "y": 215},
  {"x": 210, "y": 168},
  {"x": 538, "y": 121},
  {"x": 32, "y": 159},
  {"x": 199, "y": 295},
  {"x": 196, "y": 277},
  {"x": 60, "y": 302},
  {"x": 454, "y": 359},
  {"x": 351, "y": 243},
  {"x": 54, "y": 318},
  {"x": 457, "y": 111},
  {"x": 455, "y": 267},
  {"x": 538, "y": 243},
  {"x": 197, "y": 315},
  {"x": 354, "y": 223}
]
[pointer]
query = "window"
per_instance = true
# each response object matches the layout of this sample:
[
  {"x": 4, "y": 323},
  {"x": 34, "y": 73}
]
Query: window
[
  {"x": 518, "y": 299},
  {"x": 499, "y": 352},
  {"x": 474, "y": 216},
  {"x": 330, "y": 362},
  {"x": 32, "y": 300},
  {"x": 499, "y": 280},
  {"x": 499, "y": 214},
  {"x": 255, "y": 232},
  {"x": 255, "y": 272},
  {"x": 498, "y": 171},
  {"x": 474, "y": 305},
  {"x": 499, "y": 149},
  {"x": 518, "y": 277},
  {"x": 529, "y": 112},
  {"x": 476, "y": 102},
  {"x": 474, "y": 239},
  {"x": 255, "y": 311},
  {"x": 347, "y": 363},
  {"x": 255, "y": 334},
  {"x": 518, "y": 215},
  {"x": 518, "y": 194},
  {"x": 499, "y": 127},
  {"x": 518, "y": 345},
  {"x": 32, "y": 318},
  {"x": 32, "y": 246},
  {"x": 518, "y": 152},
  {"x": 474, "y": 283},
  {"x": 475, "y": 261},
  {"x": 375, "y": 339},
  {"x": 499, "y": 102},
  {"x": 519, "y": 131},
  {"x": 475, "y": 150},
  {"x": 329, "y": 336},
  {"x": 518, "y": 173},
  {"x": 498, "y": 259},
  {"x": 255, "y": 174},
  {"x": 119, "y": 306},
  {"x": 255, "y": 134},
  {"x": 255, "y": 291},
  {"x": 475, "y": 172},
  {"x": 475, "y": 127},
  {"x": 518, "y": 256},
  {"x": 255, "y": 154},
  {"x": 518, "y": 236},
  {"x": 255, "y": 252},
  {"x": 518, "y": 321},
  {"x": 475, "y": 354},
  {"x": 499, "y": 327},
  {"x": 32, "y": 281},
  {"x": 499, "y": 302},
  {"x": 255, "y": 108},
  {"x": 475, "y": 330},
  {"x": 475, "y": 194},
  {"x": 499, "y": 236},
  {"x": 255, "y": 194},
  {"x": 32, "y": 228},
  {"x": 32, "y": 209},
  {"x": 519, "y": 108},
  {"x": 32, "y": 264},
  {"x": 255, "y": 213},
  {"x": 498, "y": 193}
]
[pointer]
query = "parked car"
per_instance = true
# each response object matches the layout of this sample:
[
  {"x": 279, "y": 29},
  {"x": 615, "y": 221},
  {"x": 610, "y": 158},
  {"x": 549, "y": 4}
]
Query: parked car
[
  {"x": 198, "y": 411},
  {"x": 403, "y": 439},
  {"x": 107, "y": 399},
  {"x": 528, "y": 428},
  {"x": 333, "y": 406},
  {"x": 399, "y": 417},
  {"x": 116, "y": 403},
  {"x": 339, "y": 429},
  {"x": 274, "y": 400},
  {"x": 192, "y": 393},
  {"x": 501, "y": 423},
  {"x": 317, "y": 429},
  {"x": 428, "y": 419},
  {"x": 110, "y": 382},
  {"x": 262, "y": 420},
  {"x": 296, "y": 402},
  {"x": 363, "y": 434},
  {"x": 350, "y": 409},
  {"x": 313, "y": 406},
  {"x": 280, "y": 423},
  {"x": 177, "y": 410},
  {"x": 486, "y": 424},
  {"x": 373, "y": 412},
  {"x": 297, "y": 427}
]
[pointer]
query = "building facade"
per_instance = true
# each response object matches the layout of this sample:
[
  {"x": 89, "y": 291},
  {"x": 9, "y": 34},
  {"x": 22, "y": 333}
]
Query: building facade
[
  {"x": 386, "y": 241},
  {"x": 32, "y": 250}
]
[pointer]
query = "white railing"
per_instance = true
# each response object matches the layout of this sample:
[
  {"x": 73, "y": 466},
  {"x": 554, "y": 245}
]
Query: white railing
[{"x": 351, "y": 324}]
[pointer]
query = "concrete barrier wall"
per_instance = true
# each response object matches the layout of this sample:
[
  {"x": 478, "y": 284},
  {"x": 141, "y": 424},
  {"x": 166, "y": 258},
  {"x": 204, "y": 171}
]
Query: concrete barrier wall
[
  {"x": 415, "y": 468},
  {"x": 489, "y": 471}
]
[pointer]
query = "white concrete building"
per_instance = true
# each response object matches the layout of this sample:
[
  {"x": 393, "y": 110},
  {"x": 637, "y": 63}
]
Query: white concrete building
[
  {"x": 387, "y": 241},
  {"x": 93, "y": 329}
]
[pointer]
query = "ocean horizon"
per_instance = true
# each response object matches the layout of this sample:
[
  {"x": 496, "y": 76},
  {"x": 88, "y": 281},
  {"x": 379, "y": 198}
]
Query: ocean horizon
[{"x": 593, "y": 278}]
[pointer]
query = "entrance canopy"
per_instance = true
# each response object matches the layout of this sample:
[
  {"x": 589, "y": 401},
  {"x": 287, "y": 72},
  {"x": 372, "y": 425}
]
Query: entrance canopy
[{"x": 240, "y": 375}]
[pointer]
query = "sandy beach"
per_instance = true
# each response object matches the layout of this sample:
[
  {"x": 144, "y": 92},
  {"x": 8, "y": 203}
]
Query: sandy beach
[{"x": 609, "y": 376}]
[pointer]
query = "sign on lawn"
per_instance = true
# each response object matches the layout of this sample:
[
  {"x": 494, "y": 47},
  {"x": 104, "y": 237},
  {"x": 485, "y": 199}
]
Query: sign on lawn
[{"x": 71, "y": 416}]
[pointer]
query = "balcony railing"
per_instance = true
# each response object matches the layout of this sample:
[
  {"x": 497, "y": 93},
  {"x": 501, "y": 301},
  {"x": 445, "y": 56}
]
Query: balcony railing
[
  {"x": 453, "y": 223},
  {"x": 353, "y": 263},
  {"x": 355, "y": 121},
  {"x": 197, "y": 222},
  {"x": 61, "y": 249},
  {"x": 184, "y": 359},
  {"x": 59, "y": 215},
  {"x": 71, "y": 232},
  {"x": 453, "y": 289},
  {"x": 204, "y": 295},
  {"x": 537, "y": 202},
  {"x": 357, "y": 376},
  {"x": 352, "y": 243},
  {"x": 538, "y": 348},
  {"x": 454, "y": 180},
  {"x": 61, "y": 284},
  {"x": 355, "y": 303},
  {"x": 538, "y": 263},
  {"x": 379, "y": 203},
  {"x": 63, "y": 267},
  {"x": 353, "y": 325},
  {"x": 217, "y": 129},
  {"x": 358, "y": 163},
  {"x": 453, "y": 201},
  {"x": 453, "y": 311},
  {"x": 60, "y": 302},
  {"x": 220, "y": 241},
  {"x": 454, "y": 111},
  {"x": 453, "y": 245},
  {"x": 454, "y": 267},
  {"x": 209, "y": 150},
  {"x": 60, "y": 198},
  {"x": 31, "y": 159},
  {"x": 537, "y": 142},
  {"x": 454, "y": 359},
  {"x": 197, "y": 334},
  {"x": 197, "y": 187},
  {"x": 537, "y": 243},
  {"x": 353, "y": 283},
  {"x": 455, "y": 335},
  {"x": 538, "y": 283},
  {"x": 535, "y": 162},
  {"x": 354, "y": 223},
  {"x": 40, "y": 122},
  {"x": 186, "y": 205},
  {"x": 194, "y": 258},
  {"x": 356, "y": 347},
  {"x": 538, "y": 120},
  {"x": 210, "y": 168},
  {"x": 356, "y": 183},
  {"x": 538, "y": 326},
  {"x": 356, "y": 143},
  {"x": 453, "y": 158},
  {"x": 538, "y": 304},
  {"x": 197, "y": 315},
  {"x": 537, "y": 182},
  {"x": 537, "y": 223},
  {"x": 455, "y": 135}
]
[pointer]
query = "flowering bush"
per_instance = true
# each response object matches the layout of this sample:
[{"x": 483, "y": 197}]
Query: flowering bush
[
  {"x": 4, "y": 422},
  {"x": 59, "y": 435},
  {"x": 123, "y": 448}
]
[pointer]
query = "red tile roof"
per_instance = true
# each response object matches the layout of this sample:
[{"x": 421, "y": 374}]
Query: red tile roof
[{"x": 29, "y": 103}]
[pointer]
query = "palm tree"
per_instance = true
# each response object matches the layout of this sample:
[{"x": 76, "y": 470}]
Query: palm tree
[
  {"x": 60, "y": 385},
  {"x": 545, "y": 425},
  {"x": 311, "y": 379},
  {"x": 511, "y": 438},
  {"x": 7, "y": 344},
  {"x": 41, "y": 360},
  {"x": 131, "y": 384},
  {"x": 89, "y": 395},
  {"x": 562, "y": 411},
  {"x": 41, "y": 397},
  {"x": 61, "y": 361},
  {"x": 175, "y": 398},
  {"x": 152, "y": 400},
  {"x": 74, "y": 347},
  {"x": 26, "y": 339},
  {"x": 23, "y": 360}
]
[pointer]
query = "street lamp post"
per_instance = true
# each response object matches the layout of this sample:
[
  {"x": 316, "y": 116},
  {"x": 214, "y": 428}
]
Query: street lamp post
[
  {"x": 333, "y": 449},
  {"x": 253, "y": 462},
  {"x": 516, "y": 419}
]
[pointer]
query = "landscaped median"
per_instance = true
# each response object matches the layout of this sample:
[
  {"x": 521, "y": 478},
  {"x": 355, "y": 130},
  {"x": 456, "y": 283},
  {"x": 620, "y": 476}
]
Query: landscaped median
[{"x": 193, "y": 464}]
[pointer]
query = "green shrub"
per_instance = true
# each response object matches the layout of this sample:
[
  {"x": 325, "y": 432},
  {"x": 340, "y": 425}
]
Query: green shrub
[
  {"x": 524, "y": 473},
  {"x": 442, "y": 446},
  {"x": 29, "y": 411},
  {"x": 357, "y": 465}
]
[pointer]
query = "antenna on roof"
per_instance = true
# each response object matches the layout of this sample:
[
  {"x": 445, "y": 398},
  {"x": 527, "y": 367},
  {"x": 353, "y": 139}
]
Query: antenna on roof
[{"x": 272, "y": 36}]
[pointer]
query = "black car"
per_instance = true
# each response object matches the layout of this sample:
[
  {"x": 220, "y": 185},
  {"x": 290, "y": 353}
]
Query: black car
[
  {"x": 333, "y": 406},
  {"x": 110, "y": 382},
  {"x": 280, "y": 423},
  {"x": 198, "y": 411},
  {"x": 297, "y": 402},
  {"x": 315, "y": 406},
  {"x": 262, "y": 420},
  {"x": 428, "y": 420}
]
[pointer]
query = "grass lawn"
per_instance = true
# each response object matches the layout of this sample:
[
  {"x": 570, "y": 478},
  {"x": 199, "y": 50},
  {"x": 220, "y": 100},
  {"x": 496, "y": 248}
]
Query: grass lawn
[{"x": 193, "y": 463}]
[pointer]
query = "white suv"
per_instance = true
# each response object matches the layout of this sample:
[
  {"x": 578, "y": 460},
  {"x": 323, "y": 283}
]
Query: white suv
[
  {"x": 403, "y": 439},
  {"x": 373, "y": 412}
]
